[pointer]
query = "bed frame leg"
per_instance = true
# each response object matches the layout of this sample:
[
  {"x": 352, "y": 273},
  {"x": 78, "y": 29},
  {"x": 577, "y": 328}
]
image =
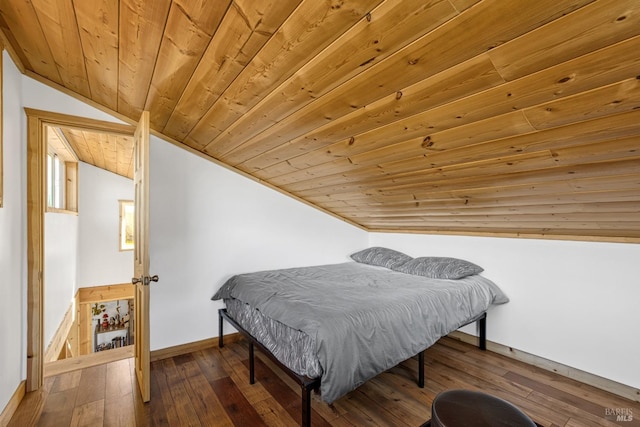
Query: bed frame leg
[
  {"x": 252, "y": 367},
  {"x": 220, "y": 329},
  {"x": 482, "y": 325},
  {"x": 421, "y": 369},
  {"x": 306, "y": 405}
]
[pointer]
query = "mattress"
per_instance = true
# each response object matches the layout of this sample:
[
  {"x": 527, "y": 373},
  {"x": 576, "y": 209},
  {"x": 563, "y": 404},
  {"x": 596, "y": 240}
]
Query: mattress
[{"x": 348, "y": 322}]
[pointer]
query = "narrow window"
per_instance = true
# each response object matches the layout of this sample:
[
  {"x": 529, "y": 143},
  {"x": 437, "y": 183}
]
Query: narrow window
[{"x": 62, "y": 175}]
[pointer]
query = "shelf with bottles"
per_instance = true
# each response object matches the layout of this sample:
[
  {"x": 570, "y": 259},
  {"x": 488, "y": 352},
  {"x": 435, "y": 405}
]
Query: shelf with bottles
[{"x": 113, "y": 322}]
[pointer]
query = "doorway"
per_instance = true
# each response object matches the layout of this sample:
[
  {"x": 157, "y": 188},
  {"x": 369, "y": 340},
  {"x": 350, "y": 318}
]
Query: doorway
[{"x": 37, "y": 123}]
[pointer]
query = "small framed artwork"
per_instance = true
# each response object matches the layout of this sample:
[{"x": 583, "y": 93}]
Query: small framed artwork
[{"x": 126, "y": 225}]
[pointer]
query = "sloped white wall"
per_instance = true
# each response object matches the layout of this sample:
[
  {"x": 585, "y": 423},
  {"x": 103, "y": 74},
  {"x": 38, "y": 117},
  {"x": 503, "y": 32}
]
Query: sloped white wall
[
  {"x": 575, "y": 303},
  {"x": 12, "y": 238},
  {"x": 208, "y": 223}
]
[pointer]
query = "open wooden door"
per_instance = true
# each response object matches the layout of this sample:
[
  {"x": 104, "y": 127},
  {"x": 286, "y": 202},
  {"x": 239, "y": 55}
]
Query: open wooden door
[{"x": 141, "y": 277}]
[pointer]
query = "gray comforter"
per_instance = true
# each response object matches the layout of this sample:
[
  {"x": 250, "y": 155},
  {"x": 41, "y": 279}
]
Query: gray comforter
[{"x": 363, "y": 319}]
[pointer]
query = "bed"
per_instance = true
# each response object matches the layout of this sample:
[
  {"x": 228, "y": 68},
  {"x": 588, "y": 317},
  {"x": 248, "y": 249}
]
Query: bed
[{"x": 333, "y": 327}]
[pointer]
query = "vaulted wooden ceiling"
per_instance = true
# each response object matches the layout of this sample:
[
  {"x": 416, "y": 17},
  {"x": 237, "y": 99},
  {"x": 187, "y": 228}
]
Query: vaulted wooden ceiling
[
  {"x": 457, "y": 116},
  {"x": 106, "y": 151}
]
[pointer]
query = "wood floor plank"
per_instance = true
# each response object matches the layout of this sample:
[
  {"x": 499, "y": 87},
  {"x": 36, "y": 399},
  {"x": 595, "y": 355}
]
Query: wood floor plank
[
  {"x": 210, "y": 364},
  {"x": 573, "y": 411},
  {"x": 118, "y": 379},
  {"x": 505, "y": 383},
  {"x": 289, "y": 399},
  {"x": 58, "y": 408},
  {"x": 119, "y": 411},
  {"x": 119, "y": 404},
  {"x": 66, "y": 381},
  {"x": 397, "y": 377},
  {"x": 379, "y": 392},
  {"x": 92, "y": 385},
  {"x": 88, "y": 414},
  {"x": 478, "y": 362},
  {"x": 239, "y": 374},
  {"x": 273, "y": 414},
  {"x": 363, "y": 409},
  {"x": 328, "y": 412},
  {"x": 235, "y": 404},
  {"x": 180, "y": 397},
  {"x": 570, "y": 386},
  {"x": 169, "y": 416},
  {"x": 204, "y": 400}
]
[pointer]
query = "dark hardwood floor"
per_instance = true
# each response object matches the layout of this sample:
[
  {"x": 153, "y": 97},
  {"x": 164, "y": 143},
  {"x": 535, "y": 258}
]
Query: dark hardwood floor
[{"x": 211, "y": 388}]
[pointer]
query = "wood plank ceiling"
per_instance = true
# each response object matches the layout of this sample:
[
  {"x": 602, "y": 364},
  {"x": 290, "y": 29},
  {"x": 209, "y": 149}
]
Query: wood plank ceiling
[
  {"x": 510, "y": 117},
  {"x": 106, "y": 151}
]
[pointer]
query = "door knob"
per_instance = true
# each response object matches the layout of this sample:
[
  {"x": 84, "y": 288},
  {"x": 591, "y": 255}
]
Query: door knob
[{"x": 145, "y": 280}]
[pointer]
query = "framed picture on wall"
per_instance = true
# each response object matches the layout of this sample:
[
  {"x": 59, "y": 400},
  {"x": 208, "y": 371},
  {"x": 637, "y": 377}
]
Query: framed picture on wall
[{"x": 126, "y": 225}]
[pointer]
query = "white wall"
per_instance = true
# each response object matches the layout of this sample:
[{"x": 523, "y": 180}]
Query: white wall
[
  {"x": 208, "y": 223},
  {"x": 100, "y": 261},
  {"x": 575, "y": 303},
  {"x": 12, "y": 239},
  {"x": 60, "y": 256}
]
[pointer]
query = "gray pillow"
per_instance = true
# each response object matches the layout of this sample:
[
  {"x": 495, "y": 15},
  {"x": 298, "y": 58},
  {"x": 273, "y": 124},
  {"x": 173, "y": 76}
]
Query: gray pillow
[
  {"x": 383, "y": 257},
  {"x": 439, "y": 268}
]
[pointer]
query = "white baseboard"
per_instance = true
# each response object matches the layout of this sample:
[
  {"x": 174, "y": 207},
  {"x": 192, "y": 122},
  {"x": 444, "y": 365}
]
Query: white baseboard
[{"x": 611, "y": 386}]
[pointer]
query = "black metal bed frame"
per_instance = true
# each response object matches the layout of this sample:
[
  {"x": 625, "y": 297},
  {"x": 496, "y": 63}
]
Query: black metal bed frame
[{"x": 309, "y": 384}]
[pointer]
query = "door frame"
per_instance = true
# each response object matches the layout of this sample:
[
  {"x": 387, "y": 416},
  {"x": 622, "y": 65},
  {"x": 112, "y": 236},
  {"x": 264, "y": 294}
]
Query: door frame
[{"x": 37, "y": 120}]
